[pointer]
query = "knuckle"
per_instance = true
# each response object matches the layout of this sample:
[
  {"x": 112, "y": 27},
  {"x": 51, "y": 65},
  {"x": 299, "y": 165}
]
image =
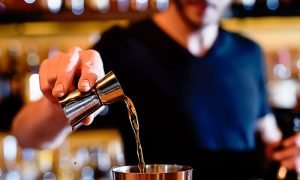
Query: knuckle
[
  {"x": 93, "y": 55},
  {"x": 52, "y": 78},
  {"x": 61, "y": 78},
  {"x": 67, "y": 62},
  {"x": 44, "y": 62},
  {"x": 74, "y": 49},
  {"x": 56, "y": 55},
  {"x": 43, "y": 66},
  {"x": 93, "y": 52},
  {"x": 68, "y": 58},
  {"x": 44, "y": 88}
]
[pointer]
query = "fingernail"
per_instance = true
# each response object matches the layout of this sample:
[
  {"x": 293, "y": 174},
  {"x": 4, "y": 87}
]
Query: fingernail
[
  {"x": 59, "y": 88},
  {"x": 85, "y": 83}
]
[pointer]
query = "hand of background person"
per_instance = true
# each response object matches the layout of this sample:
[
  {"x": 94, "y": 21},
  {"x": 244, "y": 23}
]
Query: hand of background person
[
  {"x": 289, "y": 154},
  {"x": 58, "y": 73}
]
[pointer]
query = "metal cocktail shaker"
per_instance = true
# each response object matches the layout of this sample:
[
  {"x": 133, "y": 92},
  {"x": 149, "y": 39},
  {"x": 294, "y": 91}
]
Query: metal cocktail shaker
[
  {"x": 78, "y": 105},
  {"x": 153, "y": 172}
]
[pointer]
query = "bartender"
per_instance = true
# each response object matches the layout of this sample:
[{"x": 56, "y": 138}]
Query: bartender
[{"x": 199, "y": 91}]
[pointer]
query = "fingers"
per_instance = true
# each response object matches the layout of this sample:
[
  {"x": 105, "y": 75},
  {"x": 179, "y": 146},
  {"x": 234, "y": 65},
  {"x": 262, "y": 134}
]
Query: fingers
[
  {"x": 44, "y": 83},
  {"x": 290, "y": 148},
  {"x": 67, "y": 66},
  {"x": 291, "y": 141},
  {"x": 286, "y": 153},
  {"x": 289, "y": 163},
  {"x": 91, "y": 69},
  {"x": 289, "y": 156},
  {"x": 57, "y": 74}
]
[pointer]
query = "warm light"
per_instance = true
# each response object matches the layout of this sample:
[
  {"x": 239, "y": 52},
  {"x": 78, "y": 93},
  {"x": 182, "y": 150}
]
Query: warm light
[
  {"x": 162, "y": 4},
  {"x": 102, "y": 5},
  {"x": 94, "y": 37},
  {"x": 281, "y": 71},
  {"x": 77, "y": 7},
  {"x": 87, "y": 172},
  {"x": 141, "y": 5},
  {"x": 29, "y": 1},
  {"x": 81, "y": 157},
  {"x": 283, "y": 93},
  {"x": 10, "y": 148},
  {"x": 298, "y": 63},
  {"x": 282, "y": 173},
  {"x": 34, "y": 88},
  {"x": 28, "y": 154},
  {"x": 45, "y": 161},
  {"x": 103, "y": 160},
  {"x": 49, "y": 175},
  {"x": 54, "y": 5},
  {"x": 248, "y": 4},
  {"x": 123, "y": 5},
  {"x": 33, "y": 59},
  {"x": 13, "y": 175}
]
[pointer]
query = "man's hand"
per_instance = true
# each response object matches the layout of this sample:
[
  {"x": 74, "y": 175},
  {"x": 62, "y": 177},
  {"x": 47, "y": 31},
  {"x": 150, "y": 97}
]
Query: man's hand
[
  {"x": 289, "y": 155},
  {"x": 57, "y": 74}
]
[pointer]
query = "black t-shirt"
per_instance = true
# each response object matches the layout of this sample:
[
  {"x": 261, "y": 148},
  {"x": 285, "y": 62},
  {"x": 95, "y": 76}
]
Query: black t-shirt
[{"x": 193, "y": 111}]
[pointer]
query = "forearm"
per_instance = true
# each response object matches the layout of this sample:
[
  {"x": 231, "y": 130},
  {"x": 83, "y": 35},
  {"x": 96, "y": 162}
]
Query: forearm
[
  {"x": 40, "y": 125},
  {"x": 270, "y": 134}
]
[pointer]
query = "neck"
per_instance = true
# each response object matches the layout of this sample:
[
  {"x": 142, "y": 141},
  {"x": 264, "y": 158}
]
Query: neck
[
  {"x": 200, "y": 41},
  {"x": 197, "y": 40}
]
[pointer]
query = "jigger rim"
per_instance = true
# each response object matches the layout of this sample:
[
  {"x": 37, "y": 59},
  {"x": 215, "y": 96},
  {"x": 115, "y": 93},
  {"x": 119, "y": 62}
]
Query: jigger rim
[{"x": 169, "y": 169}]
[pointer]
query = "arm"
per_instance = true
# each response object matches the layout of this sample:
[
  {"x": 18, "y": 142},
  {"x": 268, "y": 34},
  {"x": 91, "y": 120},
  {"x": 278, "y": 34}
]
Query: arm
[
  {"x": 288, "y": 154},
  {"x": 270, "y": 133},
  {"x": 268, "y": 129},
  {"x": 42, "y": 124}
]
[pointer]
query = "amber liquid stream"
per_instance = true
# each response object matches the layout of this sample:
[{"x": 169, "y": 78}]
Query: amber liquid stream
[{"x": 135, "y": 126}]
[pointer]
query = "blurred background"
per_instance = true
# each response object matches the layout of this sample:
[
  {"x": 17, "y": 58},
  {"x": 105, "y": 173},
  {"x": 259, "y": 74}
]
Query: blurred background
[{"x": 32, "y": 30}]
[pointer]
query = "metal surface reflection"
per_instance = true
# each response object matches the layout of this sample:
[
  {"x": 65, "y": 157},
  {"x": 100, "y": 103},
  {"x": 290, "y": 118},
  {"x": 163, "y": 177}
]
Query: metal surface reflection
[{"x": 154, "y": 172}]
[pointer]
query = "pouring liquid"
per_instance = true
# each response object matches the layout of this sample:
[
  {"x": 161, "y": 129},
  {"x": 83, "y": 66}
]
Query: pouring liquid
[{"x": 135, "y": 126}]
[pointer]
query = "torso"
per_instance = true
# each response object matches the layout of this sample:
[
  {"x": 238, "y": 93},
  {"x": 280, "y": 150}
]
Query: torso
[{"x": 186, "y": 104}]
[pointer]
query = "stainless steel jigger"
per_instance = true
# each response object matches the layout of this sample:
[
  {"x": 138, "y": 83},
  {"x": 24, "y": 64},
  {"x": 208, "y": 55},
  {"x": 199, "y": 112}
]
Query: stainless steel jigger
[{"x": 78, "y": 105}]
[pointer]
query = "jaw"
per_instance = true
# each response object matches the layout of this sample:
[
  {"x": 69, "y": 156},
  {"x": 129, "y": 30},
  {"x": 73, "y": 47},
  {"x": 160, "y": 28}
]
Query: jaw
[{"x": 198, "y": 14}]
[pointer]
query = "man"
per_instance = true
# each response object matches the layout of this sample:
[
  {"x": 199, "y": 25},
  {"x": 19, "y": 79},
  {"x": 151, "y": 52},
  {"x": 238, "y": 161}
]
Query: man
[{"x": 199, "y": 92}]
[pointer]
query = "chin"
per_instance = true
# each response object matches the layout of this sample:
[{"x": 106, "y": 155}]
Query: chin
[
  {"x": 195, "y": 24},
  {"x": 203, "y": 21}
]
